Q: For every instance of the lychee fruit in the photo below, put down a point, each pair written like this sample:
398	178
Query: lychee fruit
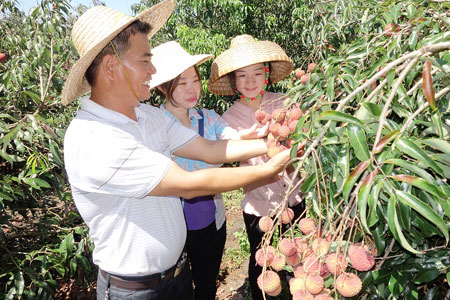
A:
314	283
293	260
360	258
273	128
311	66
266	119
265	256
287	216
278	262
307	225
278	115
336	264
259	115
302	295
269	281
287	247
323	297
299	73
295	113
299	272
348	284
300	244
283	131
321	246
311	264
276	292
265	223
304	78
292	125
297	284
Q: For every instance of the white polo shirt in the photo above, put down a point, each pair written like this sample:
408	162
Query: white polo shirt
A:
112	163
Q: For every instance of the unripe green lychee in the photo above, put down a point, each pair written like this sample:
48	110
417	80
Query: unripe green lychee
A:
348	284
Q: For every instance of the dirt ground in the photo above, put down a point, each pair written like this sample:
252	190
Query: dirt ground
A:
233	283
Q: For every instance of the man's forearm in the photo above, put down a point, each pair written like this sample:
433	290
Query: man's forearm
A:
237	150
225	179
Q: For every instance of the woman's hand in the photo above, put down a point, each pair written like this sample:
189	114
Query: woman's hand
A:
254	132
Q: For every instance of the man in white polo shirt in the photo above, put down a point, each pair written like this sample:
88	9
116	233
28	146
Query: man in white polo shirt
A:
117	154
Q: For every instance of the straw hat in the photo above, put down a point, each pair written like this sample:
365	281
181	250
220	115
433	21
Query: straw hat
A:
170	60
95	29
245	51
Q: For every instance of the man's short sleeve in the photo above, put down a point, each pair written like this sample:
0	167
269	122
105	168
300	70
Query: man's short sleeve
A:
111	161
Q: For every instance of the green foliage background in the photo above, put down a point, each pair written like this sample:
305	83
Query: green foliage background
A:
43	239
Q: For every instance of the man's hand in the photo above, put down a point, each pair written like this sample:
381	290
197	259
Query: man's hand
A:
279	161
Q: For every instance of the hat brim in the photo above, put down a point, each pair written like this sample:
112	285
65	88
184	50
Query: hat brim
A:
172	73
245	55
76	84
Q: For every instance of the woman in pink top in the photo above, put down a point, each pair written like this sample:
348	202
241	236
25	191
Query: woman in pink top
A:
246	69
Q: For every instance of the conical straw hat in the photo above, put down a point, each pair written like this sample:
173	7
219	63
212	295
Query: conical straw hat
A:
170	60
245	51
95	29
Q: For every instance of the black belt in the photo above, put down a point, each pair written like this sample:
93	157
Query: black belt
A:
146	282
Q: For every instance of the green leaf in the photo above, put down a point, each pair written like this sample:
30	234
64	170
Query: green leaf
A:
424	210
385	140
439	144
358	142
330	89
363	197
338	116
421	184
351	179
395	228
410	167
410	148
19	283
31	182
426	276
372	108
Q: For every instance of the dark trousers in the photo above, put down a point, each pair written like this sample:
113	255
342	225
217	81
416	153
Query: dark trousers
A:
205	248
255	236
177	288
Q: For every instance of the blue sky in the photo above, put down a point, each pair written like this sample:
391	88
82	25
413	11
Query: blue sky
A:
120	5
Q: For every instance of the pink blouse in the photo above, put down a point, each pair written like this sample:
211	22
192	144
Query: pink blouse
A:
266	195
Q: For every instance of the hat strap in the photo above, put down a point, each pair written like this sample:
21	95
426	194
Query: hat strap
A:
266	82
124	70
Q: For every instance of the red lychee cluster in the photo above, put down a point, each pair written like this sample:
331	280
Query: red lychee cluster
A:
282	123
304	76
314	259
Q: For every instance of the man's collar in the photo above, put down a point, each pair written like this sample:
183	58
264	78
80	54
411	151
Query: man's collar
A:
106	113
